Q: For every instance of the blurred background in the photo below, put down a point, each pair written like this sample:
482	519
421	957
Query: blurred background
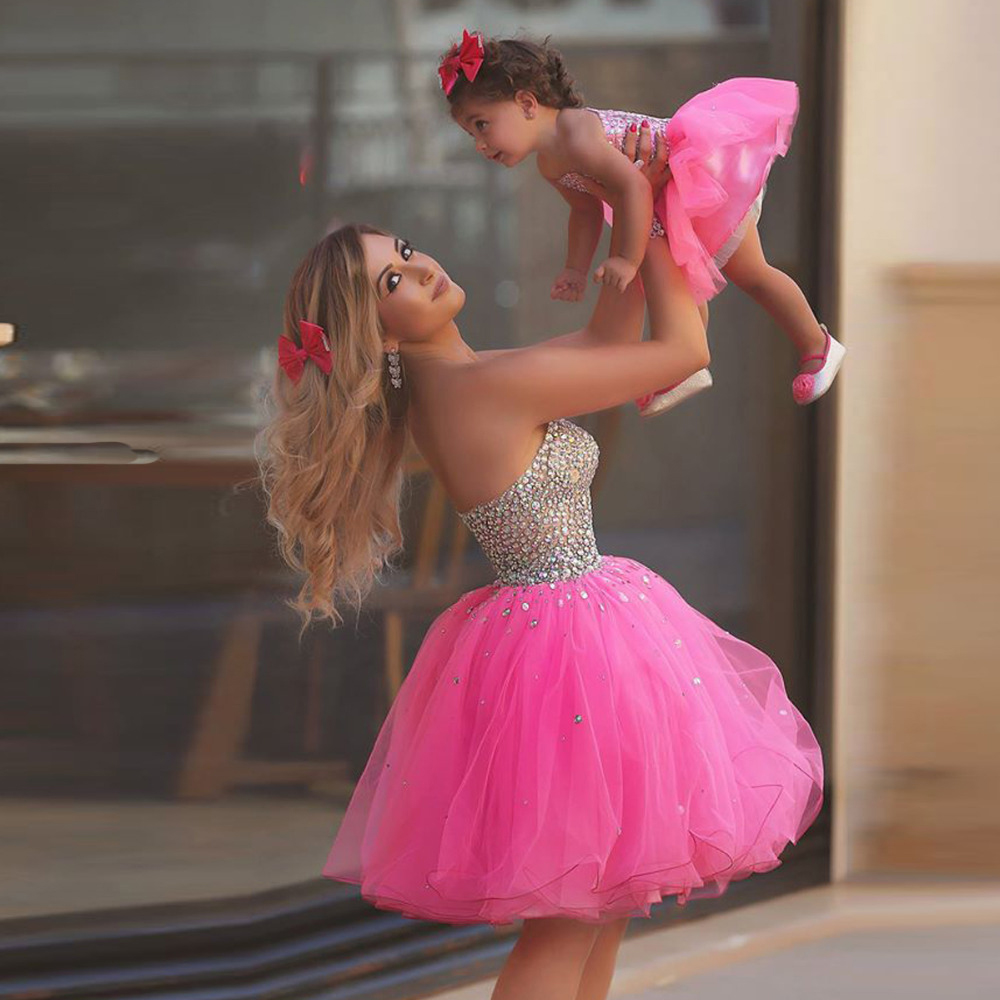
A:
173	761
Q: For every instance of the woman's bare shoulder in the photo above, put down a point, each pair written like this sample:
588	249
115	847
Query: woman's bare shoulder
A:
465	393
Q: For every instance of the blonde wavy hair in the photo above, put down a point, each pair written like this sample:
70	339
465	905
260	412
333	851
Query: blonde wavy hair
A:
330	453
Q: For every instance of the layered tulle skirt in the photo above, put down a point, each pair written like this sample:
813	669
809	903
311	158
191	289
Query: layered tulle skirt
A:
578	749
722	144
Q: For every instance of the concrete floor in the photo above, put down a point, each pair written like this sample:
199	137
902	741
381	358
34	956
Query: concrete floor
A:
61	856
922	939
960	963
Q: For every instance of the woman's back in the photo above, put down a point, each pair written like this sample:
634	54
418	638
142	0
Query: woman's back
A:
474	448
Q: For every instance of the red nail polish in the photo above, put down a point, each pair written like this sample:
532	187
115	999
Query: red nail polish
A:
645	124
631	127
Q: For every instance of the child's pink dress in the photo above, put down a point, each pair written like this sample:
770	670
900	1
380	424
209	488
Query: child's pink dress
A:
721	145
574	740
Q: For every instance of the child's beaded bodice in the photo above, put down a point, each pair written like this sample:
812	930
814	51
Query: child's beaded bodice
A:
616	125
541	529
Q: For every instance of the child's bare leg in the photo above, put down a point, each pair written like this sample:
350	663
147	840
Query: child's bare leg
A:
777	293
547	961
600	967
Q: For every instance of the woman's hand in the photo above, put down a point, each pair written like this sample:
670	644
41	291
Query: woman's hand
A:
570	285
638	146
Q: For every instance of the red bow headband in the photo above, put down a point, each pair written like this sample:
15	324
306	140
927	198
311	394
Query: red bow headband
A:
467	58
315	346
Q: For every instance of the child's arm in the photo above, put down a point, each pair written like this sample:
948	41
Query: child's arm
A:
582	143
619	319
586	220
540	383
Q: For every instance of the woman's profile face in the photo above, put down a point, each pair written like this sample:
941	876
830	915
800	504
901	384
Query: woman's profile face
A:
416	298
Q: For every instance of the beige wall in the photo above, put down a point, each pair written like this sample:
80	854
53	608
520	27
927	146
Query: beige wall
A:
916	759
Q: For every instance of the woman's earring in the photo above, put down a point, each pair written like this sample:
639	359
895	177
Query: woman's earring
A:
395	371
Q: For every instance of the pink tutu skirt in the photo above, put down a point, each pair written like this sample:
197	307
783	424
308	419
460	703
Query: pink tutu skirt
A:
579	749
722	145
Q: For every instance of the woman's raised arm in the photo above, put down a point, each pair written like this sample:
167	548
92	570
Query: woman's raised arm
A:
545	382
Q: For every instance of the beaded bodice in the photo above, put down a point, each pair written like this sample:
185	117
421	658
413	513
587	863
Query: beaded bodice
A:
616	124
540	529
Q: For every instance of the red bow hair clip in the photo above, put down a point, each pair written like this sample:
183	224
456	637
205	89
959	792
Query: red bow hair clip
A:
315	347
467	59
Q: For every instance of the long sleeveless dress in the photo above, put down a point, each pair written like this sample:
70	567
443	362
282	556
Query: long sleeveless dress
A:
721	146
574	739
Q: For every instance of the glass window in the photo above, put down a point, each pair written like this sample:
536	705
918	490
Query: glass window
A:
164	735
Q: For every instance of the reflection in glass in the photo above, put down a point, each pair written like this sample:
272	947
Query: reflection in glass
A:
165	734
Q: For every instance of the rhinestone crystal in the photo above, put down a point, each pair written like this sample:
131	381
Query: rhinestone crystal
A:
616	125
540	529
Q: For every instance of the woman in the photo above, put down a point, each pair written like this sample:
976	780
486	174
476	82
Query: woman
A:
573	742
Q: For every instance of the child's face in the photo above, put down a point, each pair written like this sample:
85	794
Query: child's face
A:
501	130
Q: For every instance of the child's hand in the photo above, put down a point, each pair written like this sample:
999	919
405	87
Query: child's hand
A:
570	285
616	271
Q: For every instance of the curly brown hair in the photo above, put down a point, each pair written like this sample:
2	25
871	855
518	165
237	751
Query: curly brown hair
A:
330	453
513	64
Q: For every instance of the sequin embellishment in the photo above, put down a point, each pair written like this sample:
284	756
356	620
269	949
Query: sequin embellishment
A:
616	124
540	529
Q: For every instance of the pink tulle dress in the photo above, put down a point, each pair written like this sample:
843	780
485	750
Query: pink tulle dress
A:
721	145
574	739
